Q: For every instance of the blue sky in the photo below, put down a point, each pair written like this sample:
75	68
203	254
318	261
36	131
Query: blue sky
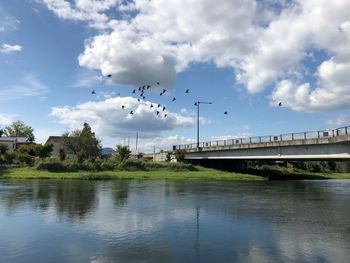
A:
53	53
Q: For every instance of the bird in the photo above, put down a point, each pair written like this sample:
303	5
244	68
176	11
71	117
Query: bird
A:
161	94
143	97
157	112
280	104
138	100
148	86
131	112
93	92
164	108
158	83
151	105
123	107
158	105
165	115
187	91
195	104
174	99
109	75
143	87
225	112
164	90
134	91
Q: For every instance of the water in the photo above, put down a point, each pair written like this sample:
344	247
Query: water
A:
174	221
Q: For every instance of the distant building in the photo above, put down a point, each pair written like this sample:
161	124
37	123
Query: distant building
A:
57	143
14	142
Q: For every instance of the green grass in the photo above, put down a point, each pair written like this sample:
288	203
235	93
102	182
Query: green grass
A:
202	173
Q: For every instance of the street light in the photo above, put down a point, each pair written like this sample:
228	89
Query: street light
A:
197	104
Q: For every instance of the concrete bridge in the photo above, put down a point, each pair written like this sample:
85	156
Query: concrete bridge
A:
331	144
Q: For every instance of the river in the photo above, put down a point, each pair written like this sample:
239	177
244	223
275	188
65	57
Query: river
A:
174	221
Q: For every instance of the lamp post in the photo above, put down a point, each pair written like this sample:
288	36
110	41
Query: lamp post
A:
197	104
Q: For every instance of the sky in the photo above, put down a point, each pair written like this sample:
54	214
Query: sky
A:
244	56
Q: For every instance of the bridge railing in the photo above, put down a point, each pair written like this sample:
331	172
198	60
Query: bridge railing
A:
269	138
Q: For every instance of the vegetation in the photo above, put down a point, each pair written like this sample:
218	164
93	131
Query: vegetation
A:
200	174
122	153
18	128
82	143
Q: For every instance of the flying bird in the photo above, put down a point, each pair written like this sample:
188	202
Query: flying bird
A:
109	75
280	104
174	99
138	100
158	83
164	108
158	105
134	91
148	86
225	112
161	94
157	112
151	105
195	104
93	92
143	97
165	115
131	112
164	90
123	107
187	91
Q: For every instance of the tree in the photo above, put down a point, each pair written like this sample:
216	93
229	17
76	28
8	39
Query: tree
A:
180	155
82	142
62	154
18	128
3	148
39	150
122	152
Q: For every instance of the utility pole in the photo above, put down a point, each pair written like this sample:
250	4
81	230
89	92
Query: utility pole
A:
197	104
137	138
128	142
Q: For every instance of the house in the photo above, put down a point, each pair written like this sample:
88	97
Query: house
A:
14	142
57	143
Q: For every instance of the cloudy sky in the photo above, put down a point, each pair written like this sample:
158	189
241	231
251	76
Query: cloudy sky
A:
245	56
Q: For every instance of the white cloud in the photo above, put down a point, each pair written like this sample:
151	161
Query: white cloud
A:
87	79
264	42
6	119
339	120
8	22
332	91
5	48
30	86
90	11
108	118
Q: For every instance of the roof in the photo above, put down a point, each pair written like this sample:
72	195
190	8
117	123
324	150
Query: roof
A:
14	139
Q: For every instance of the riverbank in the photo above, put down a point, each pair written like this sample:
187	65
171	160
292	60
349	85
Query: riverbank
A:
200	174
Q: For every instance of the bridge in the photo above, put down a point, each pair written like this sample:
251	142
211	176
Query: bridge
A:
331	144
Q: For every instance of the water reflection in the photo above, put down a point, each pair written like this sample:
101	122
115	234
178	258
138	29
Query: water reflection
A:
167	221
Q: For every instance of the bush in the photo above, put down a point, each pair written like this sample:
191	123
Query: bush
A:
3	148
25	158
132	165
180	155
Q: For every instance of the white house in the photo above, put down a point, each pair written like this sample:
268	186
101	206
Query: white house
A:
14	142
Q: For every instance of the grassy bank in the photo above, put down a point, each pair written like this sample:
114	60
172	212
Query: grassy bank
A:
201	173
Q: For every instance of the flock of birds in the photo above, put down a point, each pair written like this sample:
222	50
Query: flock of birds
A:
160	110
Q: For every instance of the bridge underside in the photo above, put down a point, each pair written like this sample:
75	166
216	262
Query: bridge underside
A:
304	151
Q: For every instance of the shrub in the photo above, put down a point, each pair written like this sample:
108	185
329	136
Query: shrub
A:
3	148
62	154
25	158
132	165
180	155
